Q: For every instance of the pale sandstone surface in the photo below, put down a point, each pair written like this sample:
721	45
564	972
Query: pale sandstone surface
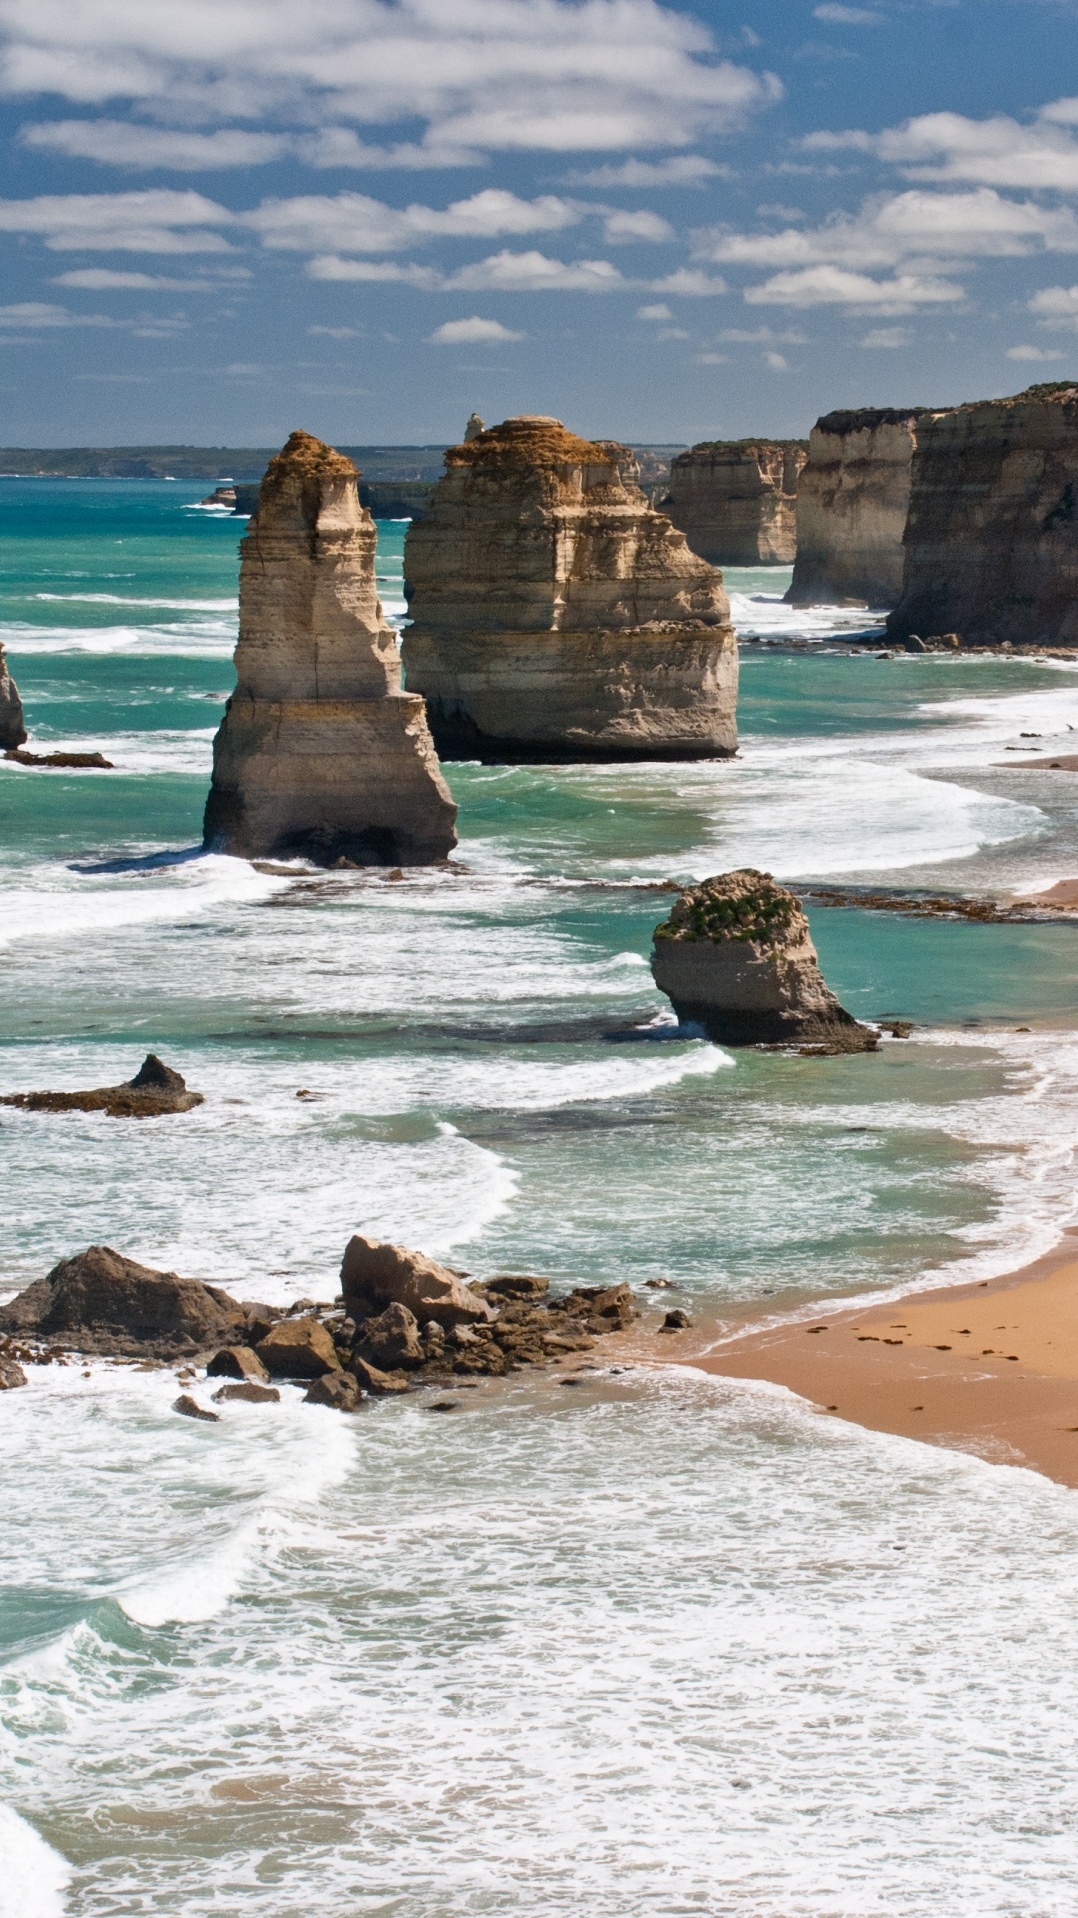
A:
736	500
736	957
992	537
853	496
12	729
558	616
320	753
376	1274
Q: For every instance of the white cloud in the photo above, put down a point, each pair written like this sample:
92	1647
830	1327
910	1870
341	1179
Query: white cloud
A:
38	314
894	227
837	286
330	266
471	332
636	226
1056	306
336	332
1037	353
999	152
848	16
762	335
115	143
354	223
100	279
660	311
682	169
777	362
154	222
688	283
887	338
713	359
534	273
562	75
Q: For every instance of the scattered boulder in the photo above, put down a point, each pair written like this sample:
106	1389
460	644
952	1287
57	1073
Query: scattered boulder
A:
11	1375
676	1321
391	1341
237	1362
154	1090
736	958
517	1285
100	1301
298	1349
250	1392
338	1390
12	729
376	1381
375	1273
190	1408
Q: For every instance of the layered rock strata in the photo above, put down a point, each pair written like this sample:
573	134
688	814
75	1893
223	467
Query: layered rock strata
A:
320	753
12	729
853	496
992	537
558	616
736	957
736	500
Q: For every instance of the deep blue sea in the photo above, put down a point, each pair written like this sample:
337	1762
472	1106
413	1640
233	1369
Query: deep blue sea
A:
678	1646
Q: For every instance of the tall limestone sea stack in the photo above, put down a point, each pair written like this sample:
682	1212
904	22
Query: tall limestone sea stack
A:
736	500
992	539
320	753
558	616
12	730
852	499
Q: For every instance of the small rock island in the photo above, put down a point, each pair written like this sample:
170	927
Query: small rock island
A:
736	957
558	616
320	754
12	729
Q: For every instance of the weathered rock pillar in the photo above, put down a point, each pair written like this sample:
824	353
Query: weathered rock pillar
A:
852	499
320	753
992	537
558	616
12	730
736	957
736	500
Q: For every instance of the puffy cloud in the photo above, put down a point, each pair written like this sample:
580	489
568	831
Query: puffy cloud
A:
562	75
1037	353
681	169
636	226
534	273
102	279
116	143
891	228
887	338
999	152
847	16
689	283
660	311
471	332
330	266
1056	306
38	314
354	223
777	362
837	286
155	222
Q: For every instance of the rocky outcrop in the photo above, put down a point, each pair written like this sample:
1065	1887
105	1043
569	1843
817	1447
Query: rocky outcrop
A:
57	762
736	500
155	1090
557	615
736	957
852	499
320	753
12	730
237	1362
375	1274
100	1301
298	1349
391	1342
992	536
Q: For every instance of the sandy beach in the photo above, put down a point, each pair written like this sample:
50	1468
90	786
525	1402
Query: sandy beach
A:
990	1368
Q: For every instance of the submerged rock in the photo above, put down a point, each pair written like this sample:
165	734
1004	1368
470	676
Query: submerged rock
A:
77	762
339	1390
853	496
190	1408
320	753
155	1089
11	1375
557	615
12	730
249	1391
736	957
375	1274
100	1301
991	546
736	500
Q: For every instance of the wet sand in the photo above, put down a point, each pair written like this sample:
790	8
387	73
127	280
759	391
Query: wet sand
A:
990	1368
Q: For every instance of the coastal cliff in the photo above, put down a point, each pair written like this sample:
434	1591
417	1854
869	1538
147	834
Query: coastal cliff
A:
12	729
736	500
992	538
320	753
852	499
558	616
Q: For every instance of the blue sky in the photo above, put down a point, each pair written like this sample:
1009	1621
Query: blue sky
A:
225	218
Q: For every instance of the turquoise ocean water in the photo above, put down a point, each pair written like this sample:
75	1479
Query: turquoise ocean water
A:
678	1646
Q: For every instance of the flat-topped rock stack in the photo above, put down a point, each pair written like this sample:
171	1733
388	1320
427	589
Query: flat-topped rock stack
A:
736	957
992	537
320	753
557	615
12	729
736	500
853	496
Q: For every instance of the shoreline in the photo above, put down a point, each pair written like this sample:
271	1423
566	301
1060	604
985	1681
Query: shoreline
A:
988	1367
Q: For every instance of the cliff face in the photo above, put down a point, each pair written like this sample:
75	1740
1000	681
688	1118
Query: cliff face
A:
12	730
852	499
320	752
736	500
557	615
992	537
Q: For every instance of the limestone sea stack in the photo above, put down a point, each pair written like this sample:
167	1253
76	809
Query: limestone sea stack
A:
320	753
557	615
992	538
12	730
852	499
736	500
736	957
